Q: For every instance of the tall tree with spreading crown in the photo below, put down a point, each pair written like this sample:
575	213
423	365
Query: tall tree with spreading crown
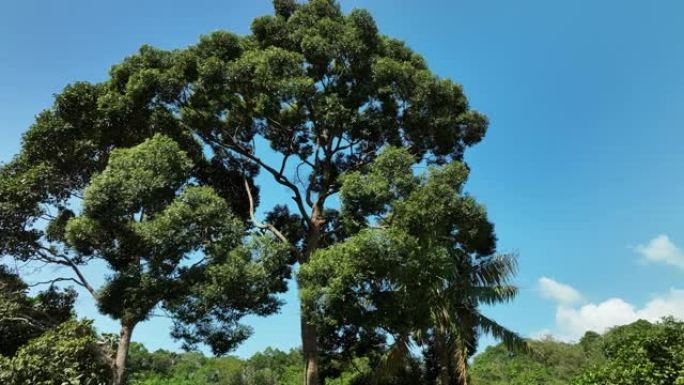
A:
312	93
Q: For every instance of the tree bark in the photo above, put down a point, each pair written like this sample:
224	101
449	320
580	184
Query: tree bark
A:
309	334
461	364
310	351
119	369
443	357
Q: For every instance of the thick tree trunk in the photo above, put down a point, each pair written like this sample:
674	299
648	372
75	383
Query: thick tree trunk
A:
461	364
443	358
310	351
309	334
119	369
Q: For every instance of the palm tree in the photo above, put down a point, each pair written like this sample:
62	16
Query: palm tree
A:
456	322
456	319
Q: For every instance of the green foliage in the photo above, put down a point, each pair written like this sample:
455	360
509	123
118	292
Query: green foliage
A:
640	353
318	85
146	219
270	367
635	354
621	356
136	217
22	317
243	281
68	354
146	176
20	192
549	362
419	264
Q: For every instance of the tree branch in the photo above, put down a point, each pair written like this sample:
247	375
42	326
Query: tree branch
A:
66	261
258	224
279	177
283	164
53	281
80	276
24	320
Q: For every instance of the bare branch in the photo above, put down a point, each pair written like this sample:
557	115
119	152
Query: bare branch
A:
61	259
53	281
22	319
81	277
267	226
283	164
157	315
279	177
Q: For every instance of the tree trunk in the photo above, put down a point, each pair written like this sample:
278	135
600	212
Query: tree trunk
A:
119	368
309	334
443	358
461	364
310	351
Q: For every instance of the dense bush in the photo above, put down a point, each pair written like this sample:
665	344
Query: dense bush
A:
550	362
66	355
23	317
640	353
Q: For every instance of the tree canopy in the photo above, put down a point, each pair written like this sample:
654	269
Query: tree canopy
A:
145	218
418	263
310	95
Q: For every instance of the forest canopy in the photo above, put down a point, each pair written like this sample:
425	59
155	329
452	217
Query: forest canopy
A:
153	173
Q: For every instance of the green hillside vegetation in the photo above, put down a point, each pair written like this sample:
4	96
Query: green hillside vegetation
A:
639	353
552	362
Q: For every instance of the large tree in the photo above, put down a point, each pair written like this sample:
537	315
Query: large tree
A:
310	94
169	242
419	262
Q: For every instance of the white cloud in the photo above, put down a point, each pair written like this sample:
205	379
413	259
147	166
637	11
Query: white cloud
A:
575	316
561	293
542	334
672	304
661	249
573	321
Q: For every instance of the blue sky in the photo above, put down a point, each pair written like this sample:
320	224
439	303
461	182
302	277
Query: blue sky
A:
581	169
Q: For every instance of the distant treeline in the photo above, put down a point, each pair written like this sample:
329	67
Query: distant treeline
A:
639	353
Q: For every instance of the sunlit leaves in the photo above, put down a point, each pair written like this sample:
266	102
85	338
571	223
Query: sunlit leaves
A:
172	243
68	355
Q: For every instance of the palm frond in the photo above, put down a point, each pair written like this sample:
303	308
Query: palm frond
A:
511	339
491	295
495	270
